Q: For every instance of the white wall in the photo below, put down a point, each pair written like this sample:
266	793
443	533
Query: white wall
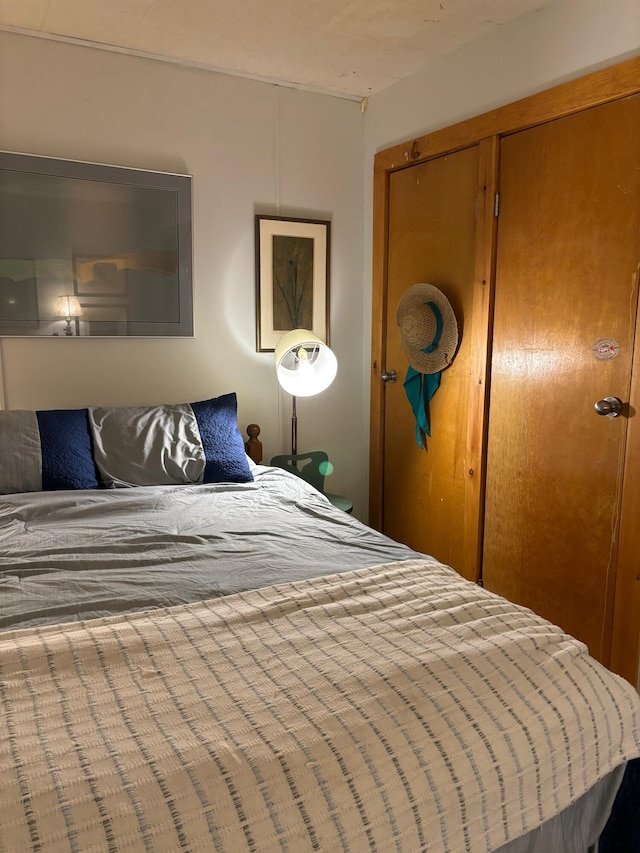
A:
251	148
562	41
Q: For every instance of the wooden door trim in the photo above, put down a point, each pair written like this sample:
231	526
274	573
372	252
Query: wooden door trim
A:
625	637
480	360
599	87
381	184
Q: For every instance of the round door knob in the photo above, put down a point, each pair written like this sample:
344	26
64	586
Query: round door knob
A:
389	376
609	406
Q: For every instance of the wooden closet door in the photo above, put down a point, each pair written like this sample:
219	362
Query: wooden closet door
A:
431	239
566	279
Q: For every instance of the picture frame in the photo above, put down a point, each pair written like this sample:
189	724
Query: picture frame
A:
100	276
100	318
292	278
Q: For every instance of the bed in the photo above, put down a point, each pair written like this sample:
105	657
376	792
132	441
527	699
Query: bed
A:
199	653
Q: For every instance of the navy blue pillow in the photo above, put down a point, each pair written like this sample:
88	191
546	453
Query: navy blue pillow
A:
67	458
225	457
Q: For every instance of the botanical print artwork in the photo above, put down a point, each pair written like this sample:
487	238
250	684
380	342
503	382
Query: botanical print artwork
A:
292	282
292	278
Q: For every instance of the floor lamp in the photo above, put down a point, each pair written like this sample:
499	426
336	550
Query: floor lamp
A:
305	366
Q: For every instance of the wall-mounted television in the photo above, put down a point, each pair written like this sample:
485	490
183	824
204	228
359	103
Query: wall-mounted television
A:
110	247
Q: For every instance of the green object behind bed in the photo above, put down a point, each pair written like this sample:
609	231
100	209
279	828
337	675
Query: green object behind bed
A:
312	467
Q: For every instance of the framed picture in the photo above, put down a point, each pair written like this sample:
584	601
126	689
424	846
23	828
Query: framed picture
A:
100	277
102	318
292	278
18	291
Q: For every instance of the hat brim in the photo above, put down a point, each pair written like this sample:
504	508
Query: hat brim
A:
415	312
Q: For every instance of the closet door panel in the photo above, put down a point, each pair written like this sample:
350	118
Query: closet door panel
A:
432	231
565	313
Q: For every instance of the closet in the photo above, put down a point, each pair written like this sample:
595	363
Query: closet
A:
528	219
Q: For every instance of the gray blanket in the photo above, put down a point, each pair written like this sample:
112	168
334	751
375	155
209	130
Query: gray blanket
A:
66	556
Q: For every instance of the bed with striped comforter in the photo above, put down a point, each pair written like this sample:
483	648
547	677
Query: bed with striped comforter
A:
272	683
398	708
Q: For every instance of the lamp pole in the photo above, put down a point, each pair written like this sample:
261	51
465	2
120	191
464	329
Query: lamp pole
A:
294	428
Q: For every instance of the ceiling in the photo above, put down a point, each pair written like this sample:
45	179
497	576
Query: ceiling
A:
352	48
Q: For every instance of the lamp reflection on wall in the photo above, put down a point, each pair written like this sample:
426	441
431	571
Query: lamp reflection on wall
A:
69	308
305	366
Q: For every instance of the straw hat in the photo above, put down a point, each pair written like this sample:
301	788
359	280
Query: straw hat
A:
428	328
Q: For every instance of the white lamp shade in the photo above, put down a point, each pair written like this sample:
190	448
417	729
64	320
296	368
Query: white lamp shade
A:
68	306
304	364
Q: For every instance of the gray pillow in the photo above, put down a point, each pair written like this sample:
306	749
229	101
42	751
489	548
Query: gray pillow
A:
169	444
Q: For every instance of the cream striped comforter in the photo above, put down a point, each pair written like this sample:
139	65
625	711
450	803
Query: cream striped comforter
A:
398	708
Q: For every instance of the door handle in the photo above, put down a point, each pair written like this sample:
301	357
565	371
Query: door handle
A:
609	406
389	376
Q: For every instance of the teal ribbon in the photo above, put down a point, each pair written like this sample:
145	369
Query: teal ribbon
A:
420	387
435	343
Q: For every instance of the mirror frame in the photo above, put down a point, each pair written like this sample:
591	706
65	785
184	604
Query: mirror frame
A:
181	184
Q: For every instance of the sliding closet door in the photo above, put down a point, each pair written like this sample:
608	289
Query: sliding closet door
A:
565	313
432	232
